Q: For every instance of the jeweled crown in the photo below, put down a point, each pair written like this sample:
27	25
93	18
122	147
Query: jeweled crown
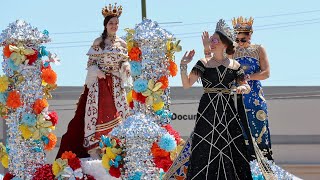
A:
241	24
223	28
112	10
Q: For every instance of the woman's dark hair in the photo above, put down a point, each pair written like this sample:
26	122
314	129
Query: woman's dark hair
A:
230	47
104	35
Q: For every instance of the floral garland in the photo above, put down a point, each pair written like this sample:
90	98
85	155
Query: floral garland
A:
112	159
4	156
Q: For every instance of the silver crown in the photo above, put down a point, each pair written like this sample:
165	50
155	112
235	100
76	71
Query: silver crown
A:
223	28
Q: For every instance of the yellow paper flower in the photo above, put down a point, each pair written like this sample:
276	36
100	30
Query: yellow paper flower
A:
153	93
158	106
4	83
19	53
129	39
105	161
174	153
58	165
42	128
129	97
25	131
5	161
110	154
172	48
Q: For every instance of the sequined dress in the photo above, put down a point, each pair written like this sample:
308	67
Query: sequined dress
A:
255	103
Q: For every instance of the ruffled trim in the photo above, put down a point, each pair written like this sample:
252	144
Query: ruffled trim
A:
97	51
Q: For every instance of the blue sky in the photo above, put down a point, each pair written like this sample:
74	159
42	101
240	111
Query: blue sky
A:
289	30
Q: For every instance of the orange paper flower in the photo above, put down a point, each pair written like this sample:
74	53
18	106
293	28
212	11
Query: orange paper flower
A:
13	100
68	155
135	54
52	142
6	51
165	82
173	68
158	152
39	105
49	76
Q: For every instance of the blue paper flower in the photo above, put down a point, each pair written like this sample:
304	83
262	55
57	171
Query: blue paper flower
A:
43	51
116	164
140	85
118	158
37	149
16	178
45	139
106	140
29	119
137	176
167	142
3	98
11	65
45	32
135	68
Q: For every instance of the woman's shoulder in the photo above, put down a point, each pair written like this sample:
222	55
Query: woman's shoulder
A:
97	41
234	64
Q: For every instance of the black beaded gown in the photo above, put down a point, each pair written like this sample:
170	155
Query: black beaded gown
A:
218	149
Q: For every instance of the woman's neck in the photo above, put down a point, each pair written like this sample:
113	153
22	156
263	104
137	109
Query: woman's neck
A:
219	56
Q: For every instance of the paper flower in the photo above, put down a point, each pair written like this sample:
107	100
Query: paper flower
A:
6	51
19	53
25	131
33	57
39	105
4	83
42	128
165	82
153	93
135	54
5	161
3	98
158	106
68	155
11	65
29	119
52	142
69	173
173	68
58	165
49	76
53	117
140	85
135	68
44	172
13	100
167	142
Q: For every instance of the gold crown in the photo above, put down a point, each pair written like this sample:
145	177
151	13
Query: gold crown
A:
112	10
241	24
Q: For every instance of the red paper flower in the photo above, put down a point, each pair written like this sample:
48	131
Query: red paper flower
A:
74	163
135	54
138	97
115	172
44	173
6	51
53	117
163	162
88	177
173	132
32	58
8	176
131	104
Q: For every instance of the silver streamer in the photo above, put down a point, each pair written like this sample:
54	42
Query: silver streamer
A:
280	173
139	131
25	155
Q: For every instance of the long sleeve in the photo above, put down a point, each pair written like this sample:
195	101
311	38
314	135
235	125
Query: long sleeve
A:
94	54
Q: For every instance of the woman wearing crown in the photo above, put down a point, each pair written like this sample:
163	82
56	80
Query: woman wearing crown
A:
217	149
103	103
254	61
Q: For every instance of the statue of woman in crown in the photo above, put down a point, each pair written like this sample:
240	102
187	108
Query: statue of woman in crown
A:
254	61
103	103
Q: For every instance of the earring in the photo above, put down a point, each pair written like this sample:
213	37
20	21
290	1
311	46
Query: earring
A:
225	54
